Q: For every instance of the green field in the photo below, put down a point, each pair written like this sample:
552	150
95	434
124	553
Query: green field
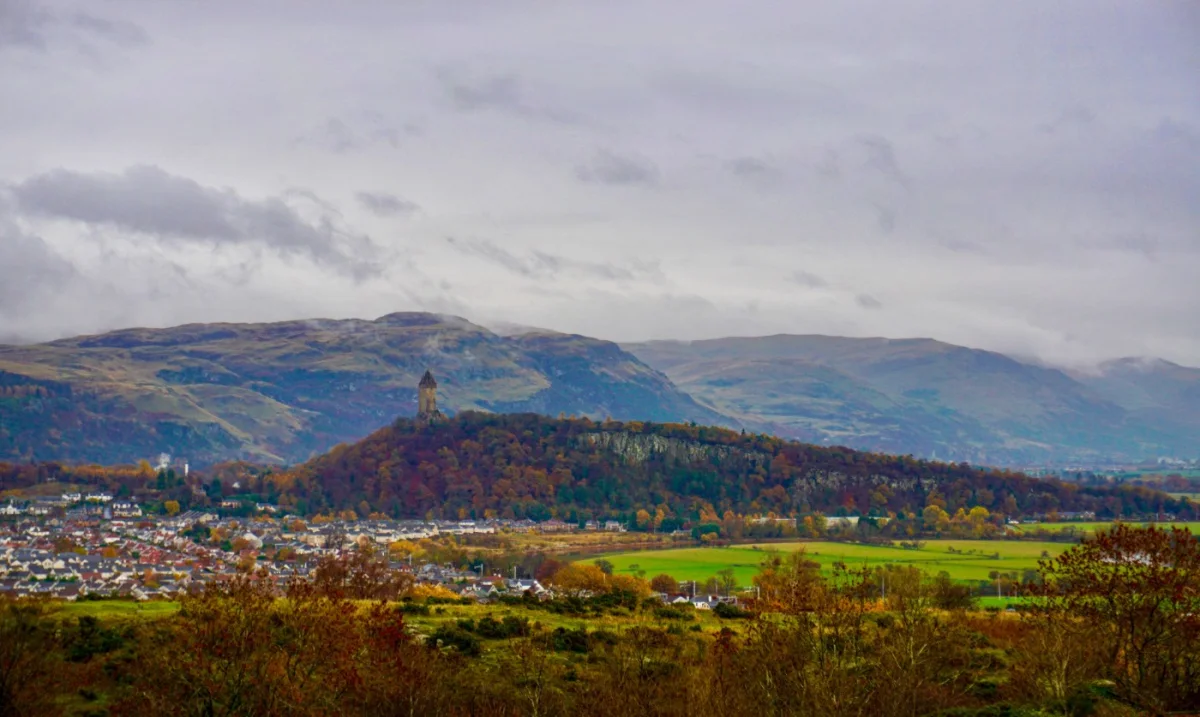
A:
116	608
934	557
1093	526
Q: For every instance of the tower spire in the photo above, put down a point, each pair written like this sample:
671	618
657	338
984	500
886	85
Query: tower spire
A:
427	409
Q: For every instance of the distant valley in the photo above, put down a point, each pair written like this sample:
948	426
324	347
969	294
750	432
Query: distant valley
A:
284	392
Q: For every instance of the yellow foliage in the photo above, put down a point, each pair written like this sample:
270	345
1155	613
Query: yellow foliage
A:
576	578
421	591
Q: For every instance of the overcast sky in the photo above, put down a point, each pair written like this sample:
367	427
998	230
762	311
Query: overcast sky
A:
1018	176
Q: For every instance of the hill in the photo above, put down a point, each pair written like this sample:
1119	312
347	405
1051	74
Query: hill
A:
930	398
284	392
530	466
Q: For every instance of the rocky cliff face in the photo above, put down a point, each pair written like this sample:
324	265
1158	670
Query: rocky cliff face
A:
641	447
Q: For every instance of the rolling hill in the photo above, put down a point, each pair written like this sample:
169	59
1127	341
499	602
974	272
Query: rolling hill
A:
930	398
283	392
532	466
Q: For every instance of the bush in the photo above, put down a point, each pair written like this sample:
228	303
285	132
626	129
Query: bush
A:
885	621
510	626
674	613
565	640
461	640
729	611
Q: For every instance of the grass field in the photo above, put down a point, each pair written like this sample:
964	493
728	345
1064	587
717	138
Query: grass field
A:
975	561
1091	527
116	608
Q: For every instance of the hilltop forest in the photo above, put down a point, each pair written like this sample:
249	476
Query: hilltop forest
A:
481	465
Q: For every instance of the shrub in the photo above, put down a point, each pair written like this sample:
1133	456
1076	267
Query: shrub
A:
674	613
566	640
457	638
729	611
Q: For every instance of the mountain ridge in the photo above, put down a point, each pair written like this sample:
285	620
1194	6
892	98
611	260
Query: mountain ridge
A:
285	391
925	396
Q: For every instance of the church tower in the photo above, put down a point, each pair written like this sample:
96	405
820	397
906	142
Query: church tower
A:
427	398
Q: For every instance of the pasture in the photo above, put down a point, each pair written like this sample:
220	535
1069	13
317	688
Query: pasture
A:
966	560
116	608
1093	526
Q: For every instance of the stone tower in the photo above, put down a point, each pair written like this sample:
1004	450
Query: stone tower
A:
427	398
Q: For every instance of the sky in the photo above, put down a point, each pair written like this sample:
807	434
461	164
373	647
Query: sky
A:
1019	176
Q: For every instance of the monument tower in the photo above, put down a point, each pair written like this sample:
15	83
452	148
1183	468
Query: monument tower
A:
427	409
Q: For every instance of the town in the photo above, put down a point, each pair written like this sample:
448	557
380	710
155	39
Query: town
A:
89	546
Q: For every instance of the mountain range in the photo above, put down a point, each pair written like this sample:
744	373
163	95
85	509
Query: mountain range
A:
935	399
285	392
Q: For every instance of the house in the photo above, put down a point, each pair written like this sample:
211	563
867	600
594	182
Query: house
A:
614	526
555	526
522	586
126	510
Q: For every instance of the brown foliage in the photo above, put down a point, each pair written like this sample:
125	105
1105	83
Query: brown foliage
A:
1132	595
361	574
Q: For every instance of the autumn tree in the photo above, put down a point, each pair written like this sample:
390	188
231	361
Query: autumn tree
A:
1135	592
576	579
361	574
664	583
28	671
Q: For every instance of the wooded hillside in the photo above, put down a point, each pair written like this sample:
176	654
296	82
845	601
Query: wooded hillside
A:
524	465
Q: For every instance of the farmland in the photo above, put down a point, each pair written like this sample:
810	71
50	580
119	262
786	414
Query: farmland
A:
966	560
1093	526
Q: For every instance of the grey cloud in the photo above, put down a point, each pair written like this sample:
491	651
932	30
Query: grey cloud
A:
867	301
119	32
829	167
808	279
488	250
1077	117
340	136
1146	246
881	156
962	246
492	92
755	171
487	108
383	204
23	24
29	268
27	24
471	92
885	217
609	168
1178	134
543	265
147	200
